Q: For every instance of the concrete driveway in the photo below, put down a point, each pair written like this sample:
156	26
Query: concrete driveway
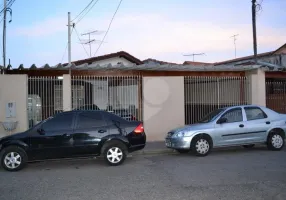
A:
224	174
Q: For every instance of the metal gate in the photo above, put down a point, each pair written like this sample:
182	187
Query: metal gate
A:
205	94
45	98
276	94
121	95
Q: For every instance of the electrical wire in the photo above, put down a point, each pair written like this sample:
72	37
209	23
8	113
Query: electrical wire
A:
8	5
108	27
80	41
83	10
65	49
87	12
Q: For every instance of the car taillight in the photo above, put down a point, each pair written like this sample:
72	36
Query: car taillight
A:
139	129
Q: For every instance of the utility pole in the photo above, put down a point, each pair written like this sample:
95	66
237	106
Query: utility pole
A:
254	29
234	39
195	54
4	36
69	37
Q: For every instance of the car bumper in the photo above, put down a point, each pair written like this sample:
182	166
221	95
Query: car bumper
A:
178	143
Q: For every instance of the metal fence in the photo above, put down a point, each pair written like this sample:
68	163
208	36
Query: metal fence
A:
205	94
276	95
121	95
45	98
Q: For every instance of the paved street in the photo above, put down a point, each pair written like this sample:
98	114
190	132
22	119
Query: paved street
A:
225	174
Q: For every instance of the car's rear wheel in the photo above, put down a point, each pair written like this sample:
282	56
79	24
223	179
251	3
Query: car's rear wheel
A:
249	146
13	158
114	153
183	151
275	141
201	145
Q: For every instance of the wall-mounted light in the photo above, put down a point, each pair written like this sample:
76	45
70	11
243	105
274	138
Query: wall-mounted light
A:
60	77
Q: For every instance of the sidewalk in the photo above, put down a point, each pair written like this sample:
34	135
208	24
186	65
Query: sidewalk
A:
154	148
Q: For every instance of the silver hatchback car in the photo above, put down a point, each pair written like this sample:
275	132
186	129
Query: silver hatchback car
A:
244	125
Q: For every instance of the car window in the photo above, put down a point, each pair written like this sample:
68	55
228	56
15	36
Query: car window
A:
111	117
253	113
59	122
211	116
233	115
90	120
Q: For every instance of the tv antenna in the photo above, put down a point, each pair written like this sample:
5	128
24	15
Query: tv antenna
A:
89	41
234	39
194	54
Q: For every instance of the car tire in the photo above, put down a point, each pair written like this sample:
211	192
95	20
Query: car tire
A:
13	158
249	146
114	153
183	151
275	140
201	145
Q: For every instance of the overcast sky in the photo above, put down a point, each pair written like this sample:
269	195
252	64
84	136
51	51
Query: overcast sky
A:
159	29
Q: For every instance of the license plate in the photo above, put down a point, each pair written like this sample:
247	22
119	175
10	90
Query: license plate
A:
168	143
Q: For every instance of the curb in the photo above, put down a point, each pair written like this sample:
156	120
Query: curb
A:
154	152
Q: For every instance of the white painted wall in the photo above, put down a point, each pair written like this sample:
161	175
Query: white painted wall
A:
163	106
14	88
258	90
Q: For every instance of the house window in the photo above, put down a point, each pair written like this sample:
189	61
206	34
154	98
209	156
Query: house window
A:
78	96
58	97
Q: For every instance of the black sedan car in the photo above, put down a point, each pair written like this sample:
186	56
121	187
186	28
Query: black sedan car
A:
74	134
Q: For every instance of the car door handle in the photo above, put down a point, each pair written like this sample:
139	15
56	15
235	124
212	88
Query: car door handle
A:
241	125
267	122
102	131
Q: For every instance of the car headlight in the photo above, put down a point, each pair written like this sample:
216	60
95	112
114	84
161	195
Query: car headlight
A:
180	134
184	134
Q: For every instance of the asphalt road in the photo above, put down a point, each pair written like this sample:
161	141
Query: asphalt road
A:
225	174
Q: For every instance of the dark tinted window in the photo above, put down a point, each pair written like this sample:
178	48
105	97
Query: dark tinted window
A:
253	113
234	115
59	122
110	117
90	120
211	116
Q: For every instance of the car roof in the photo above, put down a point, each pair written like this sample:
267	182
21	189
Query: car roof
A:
243	105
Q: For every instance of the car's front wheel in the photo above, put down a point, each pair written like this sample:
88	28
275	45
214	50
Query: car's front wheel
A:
114	153
201	145
275	141
13	158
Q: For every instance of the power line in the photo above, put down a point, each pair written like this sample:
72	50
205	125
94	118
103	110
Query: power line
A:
80	41
83	10
108	27
87	12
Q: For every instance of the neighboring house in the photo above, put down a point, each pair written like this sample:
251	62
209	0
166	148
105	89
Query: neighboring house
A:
197	63
277	57
159	62
120	57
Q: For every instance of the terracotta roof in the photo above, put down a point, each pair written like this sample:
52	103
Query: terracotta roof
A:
158	61
197	63
244	58
123	54
251	57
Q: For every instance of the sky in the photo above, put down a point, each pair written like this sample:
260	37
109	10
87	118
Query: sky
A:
162	29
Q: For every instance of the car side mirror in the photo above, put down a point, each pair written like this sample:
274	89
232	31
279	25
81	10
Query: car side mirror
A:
41	131
222	120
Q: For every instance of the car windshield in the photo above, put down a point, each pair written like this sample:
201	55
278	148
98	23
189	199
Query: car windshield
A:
211	116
